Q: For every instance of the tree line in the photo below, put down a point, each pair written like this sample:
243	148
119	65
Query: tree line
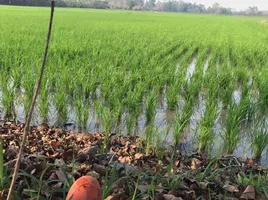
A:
149	5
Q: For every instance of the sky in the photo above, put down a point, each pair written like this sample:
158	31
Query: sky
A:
237	4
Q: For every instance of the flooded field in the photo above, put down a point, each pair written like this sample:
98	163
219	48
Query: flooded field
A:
199	85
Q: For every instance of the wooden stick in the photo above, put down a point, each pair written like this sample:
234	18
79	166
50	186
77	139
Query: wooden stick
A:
28	120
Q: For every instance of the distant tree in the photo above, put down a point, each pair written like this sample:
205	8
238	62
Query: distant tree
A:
253	10
226	11
133	3
159	6
167	5
216	7
150	5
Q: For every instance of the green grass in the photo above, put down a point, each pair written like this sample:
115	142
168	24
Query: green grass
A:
122	61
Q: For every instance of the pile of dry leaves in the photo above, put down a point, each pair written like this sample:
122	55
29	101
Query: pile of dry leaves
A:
53	158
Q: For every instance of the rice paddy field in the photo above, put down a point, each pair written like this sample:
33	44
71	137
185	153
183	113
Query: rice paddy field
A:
192	81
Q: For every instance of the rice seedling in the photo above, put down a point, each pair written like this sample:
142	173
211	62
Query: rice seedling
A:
172	95
179	125
150	107
28	84
206	126
8	97
232	135
259	137
82	112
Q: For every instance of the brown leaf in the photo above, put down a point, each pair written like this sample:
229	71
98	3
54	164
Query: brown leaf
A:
230	188
177	163
55	143
171	197
251	163
125	159
110	198
249	193
138	156
97	137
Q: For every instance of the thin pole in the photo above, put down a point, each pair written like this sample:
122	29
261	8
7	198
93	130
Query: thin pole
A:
28	120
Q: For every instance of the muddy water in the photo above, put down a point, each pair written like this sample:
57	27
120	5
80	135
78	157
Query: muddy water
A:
162	123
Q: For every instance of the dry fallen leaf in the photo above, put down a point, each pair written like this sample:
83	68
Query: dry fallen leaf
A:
55	143
109	198
249	193
230	188
171	197
125	159
250	162
138	156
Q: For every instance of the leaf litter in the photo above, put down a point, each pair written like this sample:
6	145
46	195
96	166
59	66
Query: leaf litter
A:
54	158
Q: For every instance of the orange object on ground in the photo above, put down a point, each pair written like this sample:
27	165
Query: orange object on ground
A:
85	188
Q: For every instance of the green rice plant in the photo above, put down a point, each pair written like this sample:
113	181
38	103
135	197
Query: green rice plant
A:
130	123
206	125
8	97
28	84
232	136
172	92
133	101
259	137
82	112
16	76
150	107
107	120
263	90
259	143
149	133
61	104
179	125
226	86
